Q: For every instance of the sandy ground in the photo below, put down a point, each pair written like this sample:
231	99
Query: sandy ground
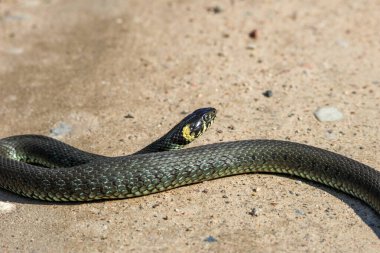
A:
88	64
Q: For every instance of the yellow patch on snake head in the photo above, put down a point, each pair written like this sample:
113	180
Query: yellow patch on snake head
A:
187	134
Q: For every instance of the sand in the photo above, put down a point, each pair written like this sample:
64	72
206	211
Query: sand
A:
86	65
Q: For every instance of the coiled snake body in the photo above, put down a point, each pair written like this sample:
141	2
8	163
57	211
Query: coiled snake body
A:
43	168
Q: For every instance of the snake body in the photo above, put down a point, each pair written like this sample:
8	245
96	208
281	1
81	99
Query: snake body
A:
69	174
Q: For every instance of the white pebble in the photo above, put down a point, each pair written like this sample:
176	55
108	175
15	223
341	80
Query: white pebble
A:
251	46
15	50
6	207
328	113
343	43
61	129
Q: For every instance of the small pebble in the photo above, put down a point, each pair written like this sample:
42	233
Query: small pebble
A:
253	34
15	50
255	191
6	207
342	43
10	17
268	93
291	114
61	129
254	212
156	204
328	113
32	3
129	116
251	46
210	239
215	9
299	212
330	135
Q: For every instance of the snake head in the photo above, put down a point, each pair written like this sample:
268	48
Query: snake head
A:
196	123
187	130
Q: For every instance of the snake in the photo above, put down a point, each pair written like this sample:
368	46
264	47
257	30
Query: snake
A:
44	168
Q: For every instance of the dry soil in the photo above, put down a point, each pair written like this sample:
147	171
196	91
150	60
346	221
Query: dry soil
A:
88	64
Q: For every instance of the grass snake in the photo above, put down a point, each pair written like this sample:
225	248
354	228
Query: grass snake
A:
44	168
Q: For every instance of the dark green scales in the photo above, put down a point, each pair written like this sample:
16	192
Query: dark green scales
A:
43	168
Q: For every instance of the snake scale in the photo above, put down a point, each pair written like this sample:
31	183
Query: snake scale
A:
43	168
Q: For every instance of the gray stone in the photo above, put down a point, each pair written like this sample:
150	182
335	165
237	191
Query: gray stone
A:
210	239
62	128
328	113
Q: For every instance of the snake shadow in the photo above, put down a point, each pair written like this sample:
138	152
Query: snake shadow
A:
7	196
367	214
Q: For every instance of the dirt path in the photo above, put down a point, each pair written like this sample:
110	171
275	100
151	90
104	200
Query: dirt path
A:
82	66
